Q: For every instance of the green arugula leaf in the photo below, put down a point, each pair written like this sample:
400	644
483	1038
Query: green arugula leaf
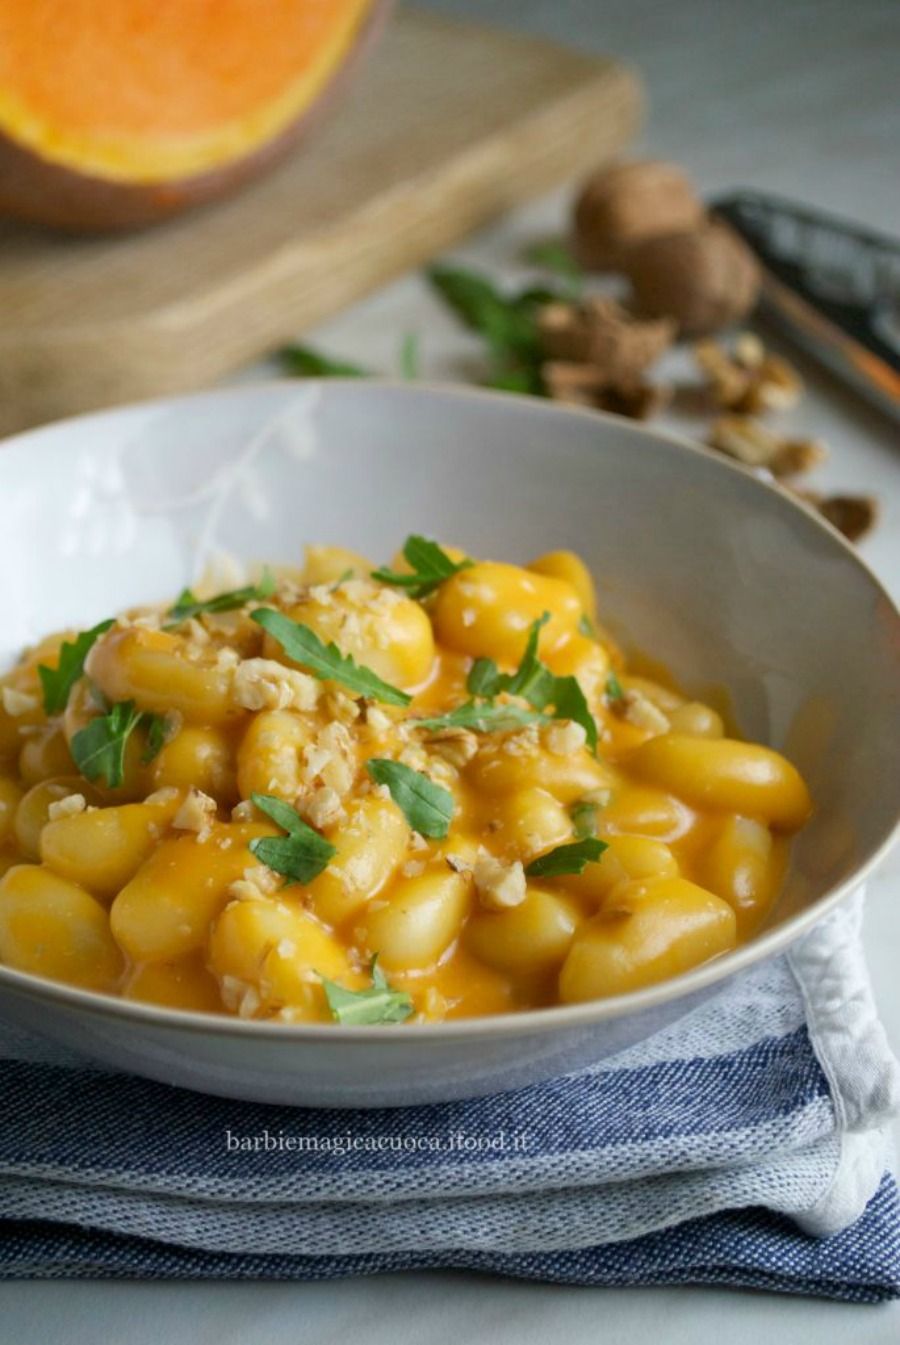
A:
187	605
535	683
427	807
157	736
507	324
482	718
524	378
99	748
409	356
584	819
530	680
569	703
430	567
378	1004
57	682
614	690
552	255
567	858
325	661
483	678
301	854
304	362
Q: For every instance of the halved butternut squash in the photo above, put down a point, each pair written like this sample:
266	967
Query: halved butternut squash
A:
115	115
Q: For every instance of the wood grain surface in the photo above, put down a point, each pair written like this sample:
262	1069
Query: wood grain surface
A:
450	125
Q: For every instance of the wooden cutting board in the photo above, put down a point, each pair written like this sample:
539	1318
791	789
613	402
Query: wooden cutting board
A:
449	125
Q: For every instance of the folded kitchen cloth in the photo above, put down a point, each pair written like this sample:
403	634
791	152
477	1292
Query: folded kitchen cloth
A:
746	1145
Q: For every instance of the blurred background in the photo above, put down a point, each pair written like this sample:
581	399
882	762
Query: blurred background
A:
799	96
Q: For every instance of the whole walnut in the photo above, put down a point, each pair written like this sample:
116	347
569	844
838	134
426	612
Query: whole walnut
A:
703	279
626	203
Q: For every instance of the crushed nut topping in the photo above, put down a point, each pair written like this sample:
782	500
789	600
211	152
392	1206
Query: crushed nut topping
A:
17	703
197	813
67	807
499	886
263	684
852	515
748	378
455	745
582	385
564	737
755	445
602	334
323	808
639	710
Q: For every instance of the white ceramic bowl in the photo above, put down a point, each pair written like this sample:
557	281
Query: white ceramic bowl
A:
724	578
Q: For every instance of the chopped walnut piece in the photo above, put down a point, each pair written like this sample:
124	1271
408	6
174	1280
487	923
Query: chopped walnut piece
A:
564	737
455	745
263	684
499	886
638	401
796	456
197	813
603	334
852	515
639	710
17	703
376	720
457	864
322	808
67	807
581	385
748	378
745	440
755	445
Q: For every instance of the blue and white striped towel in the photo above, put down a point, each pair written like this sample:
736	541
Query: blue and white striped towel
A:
746	1145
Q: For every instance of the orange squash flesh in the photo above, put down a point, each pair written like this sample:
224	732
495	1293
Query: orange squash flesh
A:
116	114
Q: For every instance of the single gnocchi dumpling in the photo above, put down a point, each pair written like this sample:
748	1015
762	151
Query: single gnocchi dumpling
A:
374	624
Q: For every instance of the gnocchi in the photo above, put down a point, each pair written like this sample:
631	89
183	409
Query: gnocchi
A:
339	793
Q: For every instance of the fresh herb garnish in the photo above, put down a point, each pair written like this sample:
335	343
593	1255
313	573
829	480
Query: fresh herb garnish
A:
586	627
569	702
535	683
188	605
326	661
482	718
430	566
301	854
531	680
508	324
427	807
516	378
157	733
304	362
57	682
565	859
409	356
614	690
552	255
378	1004
584	819
99	748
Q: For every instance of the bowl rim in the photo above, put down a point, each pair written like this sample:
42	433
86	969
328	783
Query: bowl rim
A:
529	1021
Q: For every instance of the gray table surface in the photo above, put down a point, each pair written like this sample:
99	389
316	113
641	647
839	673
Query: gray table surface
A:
799	97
